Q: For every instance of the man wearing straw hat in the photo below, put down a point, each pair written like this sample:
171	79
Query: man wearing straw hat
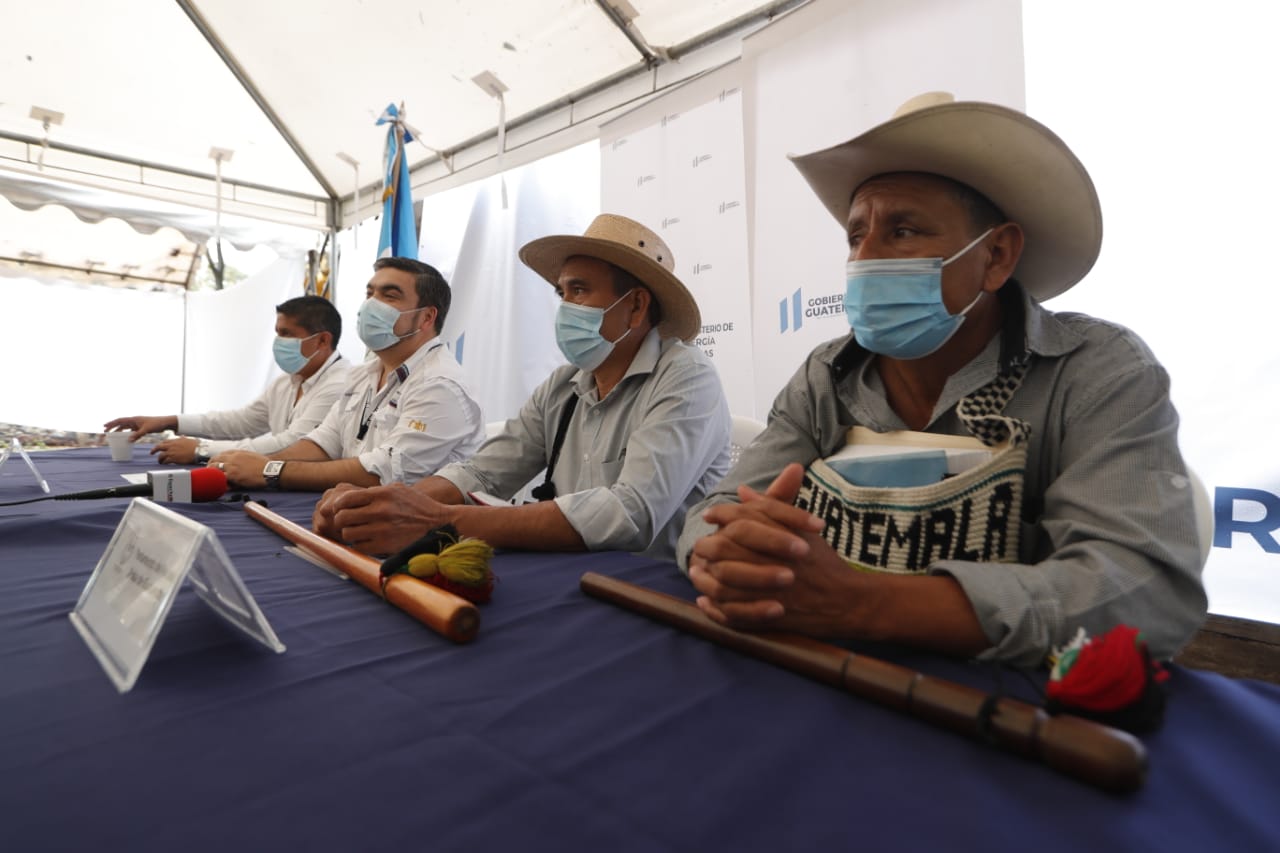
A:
632	432
961	217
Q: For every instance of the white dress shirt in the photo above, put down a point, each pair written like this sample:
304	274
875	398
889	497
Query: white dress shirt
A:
276	419
422	418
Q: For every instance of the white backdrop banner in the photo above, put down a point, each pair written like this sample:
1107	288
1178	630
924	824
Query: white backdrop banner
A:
357	249
676	165
1204	302
229	334
78	355
816	78
502	322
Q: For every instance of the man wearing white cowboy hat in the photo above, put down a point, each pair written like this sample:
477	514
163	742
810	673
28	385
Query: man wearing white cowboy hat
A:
960	217
632	432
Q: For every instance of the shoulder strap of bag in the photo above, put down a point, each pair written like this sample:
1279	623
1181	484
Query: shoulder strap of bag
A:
547	490
981	411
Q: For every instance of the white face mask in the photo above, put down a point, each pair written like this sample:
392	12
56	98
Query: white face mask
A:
578	334
894	305
288	353
376	323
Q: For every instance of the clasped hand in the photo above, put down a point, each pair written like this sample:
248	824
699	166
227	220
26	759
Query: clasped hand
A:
767	565
378	519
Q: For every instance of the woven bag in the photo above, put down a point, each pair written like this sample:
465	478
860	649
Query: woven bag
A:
973	516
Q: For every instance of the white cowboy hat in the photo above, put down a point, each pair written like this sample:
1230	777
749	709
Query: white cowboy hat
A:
1020	165
629	245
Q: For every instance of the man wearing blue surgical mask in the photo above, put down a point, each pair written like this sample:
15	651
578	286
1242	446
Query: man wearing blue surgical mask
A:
404	412
633	431
1075	510
307	333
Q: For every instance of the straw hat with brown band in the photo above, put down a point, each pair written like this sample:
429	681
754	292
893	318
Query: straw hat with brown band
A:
629	245
1020	165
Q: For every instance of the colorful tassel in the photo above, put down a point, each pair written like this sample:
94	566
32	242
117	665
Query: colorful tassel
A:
1111	679
443	558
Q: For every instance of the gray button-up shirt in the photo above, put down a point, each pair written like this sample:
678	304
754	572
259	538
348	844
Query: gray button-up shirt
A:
633	463
1108	532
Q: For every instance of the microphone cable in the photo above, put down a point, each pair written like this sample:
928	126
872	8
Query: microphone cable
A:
31	500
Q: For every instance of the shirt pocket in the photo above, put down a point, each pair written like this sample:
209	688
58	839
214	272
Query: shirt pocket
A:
385	420
351	402
608	473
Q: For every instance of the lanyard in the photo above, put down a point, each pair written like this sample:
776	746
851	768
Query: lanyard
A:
371	403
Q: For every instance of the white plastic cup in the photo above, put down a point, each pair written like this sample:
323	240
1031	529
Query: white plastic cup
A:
121	449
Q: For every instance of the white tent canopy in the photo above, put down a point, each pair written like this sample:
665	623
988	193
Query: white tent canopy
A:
135	95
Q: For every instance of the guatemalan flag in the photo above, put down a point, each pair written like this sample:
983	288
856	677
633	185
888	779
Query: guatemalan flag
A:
398	238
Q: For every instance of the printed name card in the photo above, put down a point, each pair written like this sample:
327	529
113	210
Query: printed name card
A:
124	604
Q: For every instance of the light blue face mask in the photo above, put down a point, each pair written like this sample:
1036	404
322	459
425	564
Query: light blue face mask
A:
894	305
376	324
288	353
578	334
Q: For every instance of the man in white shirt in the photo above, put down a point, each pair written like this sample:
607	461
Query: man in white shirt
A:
307	332
404	413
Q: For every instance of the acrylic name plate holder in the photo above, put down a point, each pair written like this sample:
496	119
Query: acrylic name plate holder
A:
128	596
15	447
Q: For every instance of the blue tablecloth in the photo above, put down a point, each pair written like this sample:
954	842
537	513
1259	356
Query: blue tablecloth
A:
567	725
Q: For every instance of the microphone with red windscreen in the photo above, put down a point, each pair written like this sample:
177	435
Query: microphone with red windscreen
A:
195	485
208	484
185	486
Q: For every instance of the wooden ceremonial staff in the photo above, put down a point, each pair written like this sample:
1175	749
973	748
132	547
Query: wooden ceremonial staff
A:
1093	753
441	610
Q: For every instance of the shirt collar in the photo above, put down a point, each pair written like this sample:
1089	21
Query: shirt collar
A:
315	377
407	366
642	363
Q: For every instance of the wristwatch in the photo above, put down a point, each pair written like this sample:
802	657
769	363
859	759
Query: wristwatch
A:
203	452
271	474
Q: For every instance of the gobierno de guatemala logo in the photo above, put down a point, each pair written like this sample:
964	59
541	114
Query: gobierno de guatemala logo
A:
825	306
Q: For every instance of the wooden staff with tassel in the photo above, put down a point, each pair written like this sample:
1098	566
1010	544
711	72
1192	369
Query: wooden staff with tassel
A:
442	611
1093	753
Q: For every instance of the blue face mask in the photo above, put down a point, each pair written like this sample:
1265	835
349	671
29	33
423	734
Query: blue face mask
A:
894	305
288	353
578	334
376	324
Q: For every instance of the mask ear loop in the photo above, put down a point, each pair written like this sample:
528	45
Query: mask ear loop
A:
634	310
966	308
302	341
615	304
416	330
974	242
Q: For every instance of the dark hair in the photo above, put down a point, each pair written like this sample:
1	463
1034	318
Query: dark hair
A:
313	313
982	213
624	282
433	290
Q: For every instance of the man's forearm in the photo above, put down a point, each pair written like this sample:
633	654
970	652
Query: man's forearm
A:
302	475
303	449
441	490
922	611
532	527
